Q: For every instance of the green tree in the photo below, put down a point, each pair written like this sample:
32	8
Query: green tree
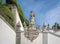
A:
21	14
8	15
0	1
58	26
11	1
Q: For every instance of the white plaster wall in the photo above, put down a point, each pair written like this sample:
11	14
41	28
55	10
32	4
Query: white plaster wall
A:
24	40
52	39
58	32
7	35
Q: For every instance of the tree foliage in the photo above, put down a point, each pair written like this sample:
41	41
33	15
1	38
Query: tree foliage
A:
11	1
58	26
7	14
0	1
21	14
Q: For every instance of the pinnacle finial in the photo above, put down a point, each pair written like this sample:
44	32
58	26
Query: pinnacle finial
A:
24	24
18	24
32	14
44	24
31	11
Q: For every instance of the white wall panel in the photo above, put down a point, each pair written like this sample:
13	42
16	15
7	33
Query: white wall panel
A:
7	34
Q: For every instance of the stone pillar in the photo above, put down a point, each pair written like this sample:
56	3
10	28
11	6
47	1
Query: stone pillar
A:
45	37
18	37
18	34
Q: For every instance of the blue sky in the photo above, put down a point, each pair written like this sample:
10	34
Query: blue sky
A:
45	10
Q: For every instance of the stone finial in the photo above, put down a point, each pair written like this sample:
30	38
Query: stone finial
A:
32	14
18	25
44	26
48	27
55	26
31	32
24	24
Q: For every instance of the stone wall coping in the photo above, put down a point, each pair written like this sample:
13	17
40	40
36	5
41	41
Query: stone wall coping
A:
7	23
